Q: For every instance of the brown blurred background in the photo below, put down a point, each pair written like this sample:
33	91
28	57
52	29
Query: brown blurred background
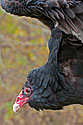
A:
23	47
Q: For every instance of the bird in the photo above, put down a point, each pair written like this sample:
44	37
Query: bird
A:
67	15
43	88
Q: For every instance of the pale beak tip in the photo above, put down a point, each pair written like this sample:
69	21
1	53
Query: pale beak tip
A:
15	107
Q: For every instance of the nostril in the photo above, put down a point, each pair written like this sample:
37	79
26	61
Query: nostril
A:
18	99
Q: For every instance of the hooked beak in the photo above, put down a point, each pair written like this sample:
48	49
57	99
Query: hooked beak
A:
20	101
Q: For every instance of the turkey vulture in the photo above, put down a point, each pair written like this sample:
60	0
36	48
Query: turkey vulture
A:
43	88
66	14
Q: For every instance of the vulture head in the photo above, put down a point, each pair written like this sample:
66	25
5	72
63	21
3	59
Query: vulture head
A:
39	91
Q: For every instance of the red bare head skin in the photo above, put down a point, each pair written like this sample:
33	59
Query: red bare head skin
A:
22	98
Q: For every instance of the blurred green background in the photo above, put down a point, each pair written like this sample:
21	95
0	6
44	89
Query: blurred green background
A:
23	47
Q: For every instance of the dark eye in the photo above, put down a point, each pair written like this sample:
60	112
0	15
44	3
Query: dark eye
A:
27	90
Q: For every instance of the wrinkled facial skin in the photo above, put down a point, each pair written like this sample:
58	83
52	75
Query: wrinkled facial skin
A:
23	97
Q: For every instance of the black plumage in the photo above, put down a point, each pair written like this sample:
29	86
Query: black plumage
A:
66	14
60	81
53	85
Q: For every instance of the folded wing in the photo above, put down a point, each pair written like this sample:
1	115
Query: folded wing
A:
66	14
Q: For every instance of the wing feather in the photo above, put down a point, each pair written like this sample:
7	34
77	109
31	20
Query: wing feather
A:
72	15
81	16
60	14
64	26
78	22
68	13
55	14
78	9
71	24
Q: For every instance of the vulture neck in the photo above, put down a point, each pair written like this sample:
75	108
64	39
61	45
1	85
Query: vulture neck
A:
53	45
64	96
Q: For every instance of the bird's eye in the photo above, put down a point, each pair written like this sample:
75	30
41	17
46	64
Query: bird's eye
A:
27	90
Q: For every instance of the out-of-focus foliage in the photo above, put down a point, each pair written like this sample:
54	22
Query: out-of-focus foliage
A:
23	46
